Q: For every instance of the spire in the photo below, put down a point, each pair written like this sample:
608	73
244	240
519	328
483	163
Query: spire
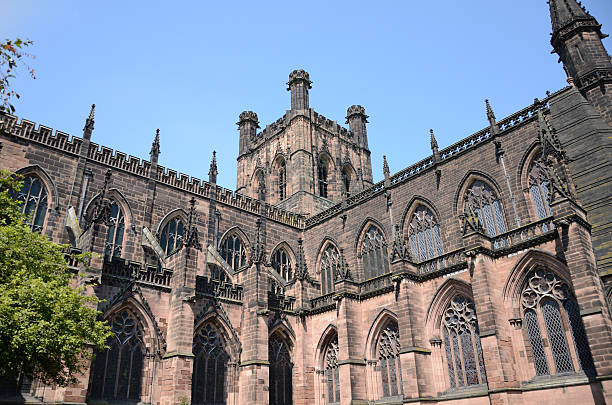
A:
566	12
385	166
89	123
491	118
212	172
155	146
432	139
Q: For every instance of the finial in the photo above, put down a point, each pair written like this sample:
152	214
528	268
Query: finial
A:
432	138
89	122
212	172
344	273
258	249
155	146
385	166
191	237
490	114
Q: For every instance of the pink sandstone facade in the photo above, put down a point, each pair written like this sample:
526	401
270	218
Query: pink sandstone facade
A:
478	275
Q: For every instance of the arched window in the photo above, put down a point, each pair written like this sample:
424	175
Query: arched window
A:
552	314
332	375
388	348
424	235
282	180
208	386
33	197
171	236
114	238
322	176
462	344
330	262
233	251
282	264
117	372
374	253
482	201
539	187
281	372
346	181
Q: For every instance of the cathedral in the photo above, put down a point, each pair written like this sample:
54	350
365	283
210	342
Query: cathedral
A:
480	274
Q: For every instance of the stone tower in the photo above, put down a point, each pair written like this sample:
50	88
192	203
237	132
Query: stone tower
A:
303	162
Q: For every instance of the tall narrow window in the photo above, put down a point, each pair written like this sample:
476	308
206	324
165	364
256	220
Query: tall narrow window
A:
117	372
208	386
374	253
332	375
322	174
552	315
424	235
346	181
282	264
483	202
539	187
233	251
282	180
330	261
462	344
388	357
281	372
171	236
114	238
33	197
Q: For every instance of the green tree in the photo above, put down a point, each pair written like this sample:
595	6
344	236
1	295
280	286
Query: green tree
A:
48	328
11	58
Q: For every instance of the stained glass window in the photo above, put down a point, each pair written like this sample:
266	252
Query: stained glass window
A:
462	344
171	236
117	372
209	368
114	237
374	253
322	175
33	197
282	264
281	372
539	186
332	375
424	235
330	261
484	203
233	251
388	357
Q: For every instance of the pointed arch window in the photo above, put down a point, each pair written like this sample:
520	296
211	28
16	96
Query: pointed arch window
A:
322	172
114	237
332	374
33	197
388	348
282	264
281	372
282	180
374	253
424	235
482	202
552	314
233	251
462	344
171	236
540	188
330	262
118	371
346	181
209	377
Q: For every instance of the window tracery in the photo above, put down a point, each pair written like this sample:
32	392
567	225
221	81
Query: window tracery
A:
540	188
322	172
282	180
424	235
114	236
233	251
374	253
209	368
483	207
171	236
462	344
117	372
33	197
330	264
346	182
281	372
282	264
388	357
332	375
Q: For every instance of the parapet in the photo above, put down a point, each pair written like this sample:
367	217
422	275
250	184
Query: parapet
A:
299	75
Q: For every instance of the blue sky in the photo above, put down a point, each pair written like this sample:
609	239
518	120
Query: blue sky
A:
190	68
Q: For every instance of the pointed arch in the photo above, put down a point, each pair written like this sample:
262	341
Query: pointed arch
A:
280	357
53	196
466	182
143	314
117	196
328	261
371	249
330	332
325	169
382	319
177	212
349	175
523	169
365	224
234	248
441	300
283	328
171	229
420	227
413	204
211	315
282	259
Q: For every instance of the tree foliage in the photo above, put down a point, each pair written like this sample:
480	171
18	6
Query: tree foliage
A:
11	58
48	328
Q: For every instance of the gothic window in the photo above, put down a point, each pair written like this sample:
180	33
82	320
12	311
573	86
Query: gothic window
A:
388	357
539	187
171	236
346	181
281	372
424	235
209	368
374	253
282	264
282	180
117	372
552	315
462	344
481	201
33	197
233	252
114	237
332	375
330	261
322	175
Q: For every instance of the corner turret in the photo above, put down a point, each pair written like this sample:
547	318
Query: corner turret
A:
247	125
299	83
357	120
